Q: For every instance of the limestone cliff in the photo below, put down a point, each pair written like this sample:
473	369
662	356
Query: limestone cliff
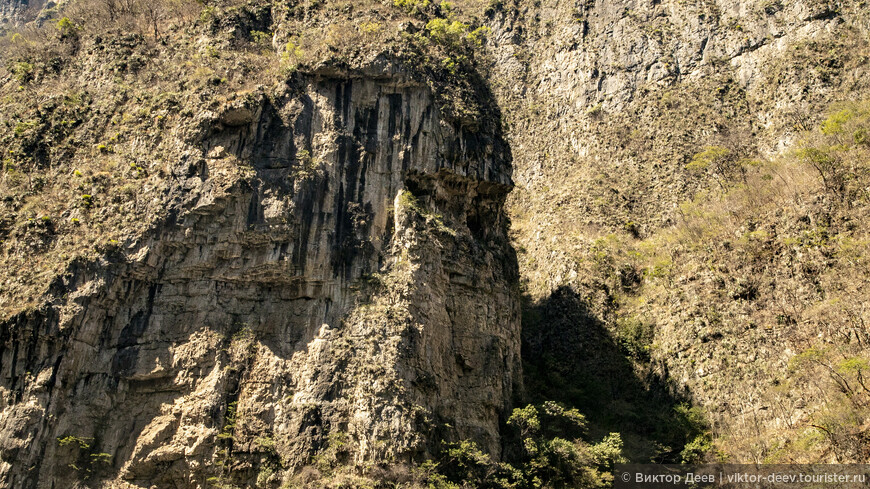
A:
334	269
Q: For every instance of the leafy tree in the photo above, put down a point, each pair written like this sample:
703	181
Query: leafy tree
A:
552	455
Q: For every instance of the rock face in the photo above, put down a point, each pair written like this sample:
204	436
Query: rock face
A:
14	11
608	102
9	9
615	96
335	276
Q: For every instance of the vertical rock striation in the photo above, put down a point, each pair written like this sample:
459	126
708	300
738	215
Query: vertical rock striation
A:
335	272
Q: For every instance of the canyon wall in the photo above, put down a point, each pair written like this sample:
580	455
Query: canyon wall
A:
651	140
334	271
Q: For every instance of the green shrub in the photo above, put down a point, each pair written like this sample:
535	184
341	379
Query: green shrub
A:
550	455
68	30
22	127
207	15
334	453
81	442
371	28
710	158
411	6
635	337
478	36
469	463
554	453
22	71
261	38
834	123
407	200
853	365
446	32
862	137
608	452
291	56
101	458
307	166
696	450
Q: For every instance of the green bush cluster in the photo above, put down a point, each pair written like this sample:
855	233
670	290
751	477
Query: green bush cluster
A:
720	162
635	337
711	156
550	454
261	38
452	33
22	71
412	6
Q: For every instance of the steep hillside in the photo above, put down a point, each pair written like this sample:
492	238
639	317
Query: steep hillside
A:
457	244
676	192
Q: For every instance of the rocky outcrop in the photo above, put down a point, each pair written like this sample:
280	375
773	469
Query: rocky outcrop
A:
334	278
